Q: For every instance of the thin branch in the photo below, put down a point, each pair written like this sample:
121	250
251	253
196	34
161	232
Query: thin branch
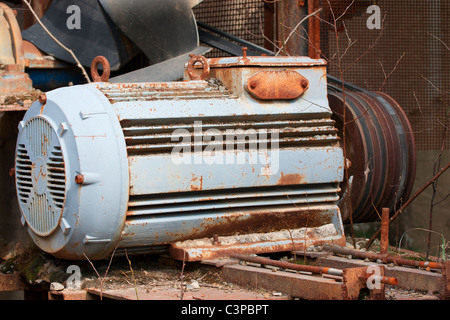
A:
370	47
348	201
443	94
98	275
443	199
390	73
421	229
439	40
295	28
57	41
182	276
411	199
132	274
106	272
345	11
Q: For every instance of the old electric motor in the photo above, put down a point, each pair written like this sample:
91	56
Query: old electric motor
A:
242	155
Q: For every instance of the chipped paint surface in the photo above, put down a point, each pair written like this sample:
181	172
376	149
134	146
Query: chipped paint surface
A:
151	164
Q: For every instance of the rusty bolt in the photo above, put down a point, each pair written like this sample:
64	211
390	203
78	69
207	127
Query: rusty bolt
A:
43	98
79	179
253	84
304	83
348	163
13	67
244	52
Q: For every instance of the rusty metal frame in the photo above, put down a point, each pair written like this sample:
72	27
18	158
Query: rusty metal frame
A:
408	277
11	282
304	286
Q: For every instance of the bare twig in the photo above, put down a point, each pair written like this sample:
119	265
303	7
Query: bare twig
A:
345	11
132	274
403	207
295	28
348	201
57	41
437	164
390	73
448	48
421	229
182	276
98	275
369	48
101	279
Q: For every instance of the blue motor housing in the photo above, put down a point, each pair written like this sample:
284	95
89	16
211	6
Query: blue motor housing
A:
245	158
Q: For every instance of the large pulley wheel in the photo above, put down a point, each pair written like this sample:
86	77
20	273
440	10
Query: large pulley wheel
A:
379	143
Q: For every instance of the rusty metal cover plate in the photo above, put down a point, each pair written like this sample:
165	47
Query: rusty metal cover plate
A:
277	85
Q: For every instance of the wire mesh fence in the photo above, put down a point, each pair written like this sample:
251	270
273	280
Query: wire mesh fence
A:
407	56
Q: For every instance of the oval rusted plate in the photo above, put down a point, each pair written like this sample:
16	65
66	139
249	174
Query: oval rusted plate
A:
277	85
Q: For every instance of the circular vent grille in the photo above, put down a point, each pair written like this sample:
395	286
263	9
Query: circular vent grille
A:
40	176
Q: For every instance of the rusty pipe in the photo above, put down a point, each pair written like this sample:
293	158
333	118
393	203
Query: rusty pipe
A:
403	207
384	239
288	265
382	279
313	269
386	258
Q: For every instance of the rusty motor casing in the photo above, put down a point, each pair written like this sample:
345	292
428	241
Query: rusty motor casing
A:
245	158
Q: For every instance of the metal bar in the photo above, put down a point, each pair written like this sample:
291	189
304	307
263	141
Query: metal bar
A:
382	279
397	213
11	282
206	35
408	278
293	284
384	243
386	258
445	289
313	31
287	265
308	268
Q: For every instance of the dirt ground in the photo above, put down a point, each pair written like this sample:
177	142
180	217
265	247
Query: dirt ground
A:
155	277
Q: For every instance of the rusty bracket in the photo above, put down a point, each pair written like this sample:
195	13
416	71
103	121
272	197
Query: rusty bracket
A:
277	85
355	279
106	69
445	292
191	67
308	286
11	282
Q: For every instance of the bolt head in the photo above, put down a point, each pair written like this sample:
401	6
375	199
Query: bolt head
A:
79	179
43	98
304	83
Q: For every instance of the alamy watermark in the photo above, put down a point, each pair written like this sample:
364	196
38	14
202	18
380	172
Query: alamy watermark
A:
374	20
231	146
374	280
73	282
74	20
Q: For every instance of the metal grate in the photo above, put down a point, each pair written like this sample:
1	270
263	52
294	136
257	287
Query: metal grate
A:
40	176
241	18
408	58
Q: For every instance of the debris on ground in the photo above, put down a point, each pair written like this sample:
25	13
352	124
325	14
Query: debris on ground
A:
158	276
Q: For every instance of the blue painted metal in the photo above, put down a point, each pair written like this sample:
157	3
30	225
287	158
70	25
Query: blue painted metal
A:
155	165
49	79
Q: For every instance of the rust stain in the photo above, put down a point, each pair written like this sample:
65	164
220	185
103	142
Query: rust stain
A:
269	85
257	222
196	183
291	178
